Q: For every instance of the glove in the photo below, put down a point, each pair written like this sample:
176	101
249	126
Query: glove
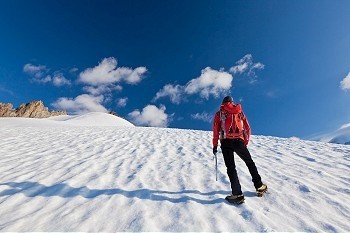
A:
215	150
246	138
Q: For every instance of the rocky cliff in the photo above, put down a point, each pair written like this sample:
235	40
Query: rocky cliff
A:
34	109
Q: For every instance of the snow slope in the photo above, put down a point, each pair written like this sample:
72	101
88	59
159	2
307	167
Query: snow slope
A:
63	178
340	136
88	119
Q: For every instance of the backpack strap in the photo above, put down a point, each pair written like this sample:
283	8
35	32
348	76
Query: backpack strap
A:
222	128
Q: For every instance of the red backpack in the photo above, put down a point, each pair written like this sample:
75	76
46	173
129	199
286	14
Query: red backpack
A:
231	125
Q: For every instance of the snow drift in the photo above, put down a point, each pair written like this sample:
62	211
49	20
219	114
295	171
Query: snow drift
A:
54	177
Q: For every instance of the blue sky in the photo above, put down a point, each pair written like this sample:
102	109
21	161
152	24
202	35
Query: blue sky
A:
170	63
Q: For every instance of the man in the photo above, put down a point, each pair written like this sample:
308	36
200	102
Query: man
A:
232	128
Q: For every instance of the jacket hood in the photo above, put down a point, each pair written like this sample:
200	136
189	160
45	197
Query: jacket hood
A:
231	108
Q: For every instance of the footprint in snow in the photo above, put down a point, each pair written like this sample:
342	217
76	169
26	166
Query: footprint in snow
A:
304	189
247	215
311	159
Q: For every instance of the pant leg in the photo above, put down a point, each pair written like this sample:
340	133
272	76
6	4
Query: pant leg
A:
227	151
242	151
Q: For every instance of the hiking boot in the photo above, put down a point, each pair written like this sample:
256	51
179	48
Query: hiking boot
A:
261	190
235	199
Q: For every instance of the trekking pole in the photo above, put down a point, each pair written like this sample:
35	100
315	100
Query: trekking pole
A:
216	167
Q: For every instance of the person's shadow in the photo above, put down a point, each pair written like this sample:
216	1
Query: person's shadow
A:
33	189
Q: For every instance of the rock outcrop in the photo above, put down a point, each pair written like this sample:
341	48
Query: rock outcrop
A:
34	109
115	114
6	110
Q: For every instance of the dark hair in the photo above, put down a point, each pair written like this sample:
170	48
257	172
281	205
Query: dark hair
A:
227	99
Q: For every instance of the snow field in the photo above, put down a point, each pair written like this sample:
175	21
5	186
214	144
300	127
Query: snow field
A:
149	179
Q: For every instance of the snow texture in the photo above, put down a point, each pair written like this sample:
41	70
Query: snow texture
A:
340	136
59	178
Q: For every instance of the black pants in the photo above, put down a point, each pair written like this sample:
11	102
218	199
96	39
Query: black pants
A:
228	146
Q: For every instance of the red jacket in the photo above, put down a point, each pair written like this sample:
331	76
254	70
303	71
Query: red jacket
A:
223	128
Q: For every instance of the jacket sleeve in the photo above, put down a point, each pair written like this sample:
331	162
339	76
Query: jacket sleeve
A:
246	127
216	129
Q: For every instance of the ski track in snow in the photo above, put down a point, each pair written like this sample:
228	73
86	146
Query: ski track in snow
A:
151	179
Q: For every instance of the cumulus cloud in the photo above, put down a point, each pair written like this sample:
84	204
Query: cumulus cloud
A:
37	71
59	80
345	83
44	80
175	93
150	116
246	66
41	74
106	72
210	83
121	102
239	68
102	89
98	84
206	117
81	104
133	76
106	77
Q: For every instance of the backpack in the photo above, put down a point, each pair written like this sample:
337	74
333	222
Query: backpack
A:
231	125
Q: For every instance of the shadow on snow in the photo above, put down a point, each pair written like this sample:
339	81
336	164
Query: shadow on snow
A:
33	189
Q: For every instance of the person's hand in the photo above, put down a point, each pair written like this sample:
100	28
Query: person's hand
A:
215	150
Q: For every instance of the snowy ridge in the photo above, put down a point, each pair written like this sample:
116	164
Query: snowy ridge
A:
88	119
151	179
340	136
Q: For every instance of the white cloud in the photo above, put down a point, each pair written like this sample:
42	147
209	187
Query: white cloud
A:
258	66
240	68
133	76
122	102
47	79
211	82
175	93
81	104
40	75
102	89
150	116
246	66
242	64
104	78
203	117
73	70
345	83
59	80
36	71
106	72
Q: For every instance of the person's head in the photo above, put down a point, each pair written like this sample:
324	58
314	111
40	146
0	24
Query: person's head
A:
227	99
